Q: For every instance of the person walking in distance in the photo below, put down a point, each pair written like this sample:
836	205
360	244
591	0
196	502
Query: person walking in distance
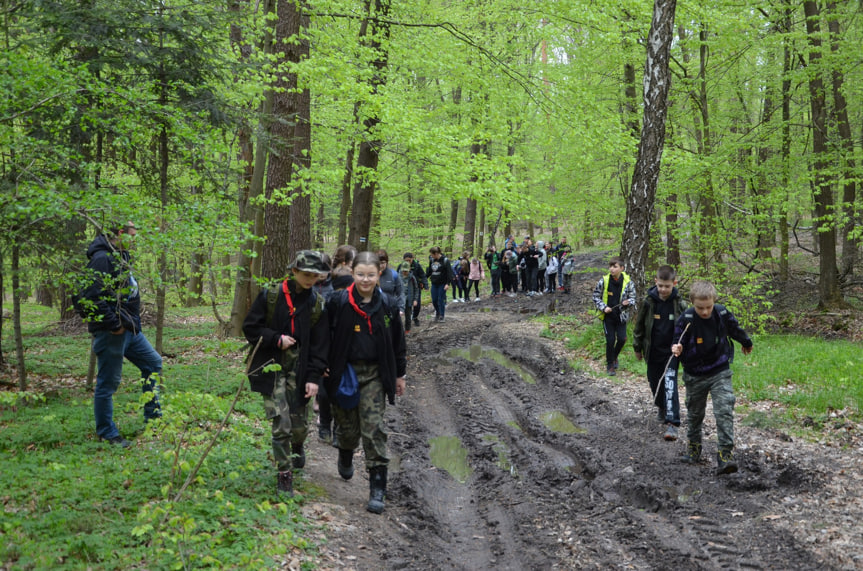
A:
420	275
439	274
111	306
614	298
367	338
493	261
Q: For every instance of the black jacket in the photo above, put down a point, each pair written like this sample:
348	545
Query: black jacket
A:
387	332
313	341
707	347
112	294
647	317
440	271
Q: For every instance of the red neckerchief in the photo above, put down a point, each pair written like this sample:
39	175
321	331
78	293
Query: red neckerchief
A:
357	307
291	307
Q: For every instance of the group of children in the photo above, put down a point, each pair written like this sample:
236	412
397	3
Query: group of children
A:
332	326
333	331
668	332
536	269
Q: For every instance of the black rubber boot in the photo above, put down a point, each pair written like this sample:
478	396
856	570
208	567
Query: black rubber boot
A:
377	489
693	453
299	459
346	464
285	484
335	435
725	462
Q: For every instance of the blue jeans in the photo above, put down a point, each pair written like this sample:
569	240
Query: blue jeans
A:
438	295
110	350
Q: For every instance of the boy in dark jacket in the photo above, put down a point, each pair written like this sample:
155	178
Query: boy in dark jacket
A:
411	287
706	354
439	274
614	298
652	339
294	333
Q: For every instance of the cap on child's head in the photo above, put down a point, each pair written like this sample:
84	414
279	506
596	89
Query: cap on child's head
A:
404	267
310	261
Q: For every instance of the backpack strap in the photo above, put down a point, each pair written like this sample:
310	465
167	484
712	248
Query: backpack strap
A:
272	297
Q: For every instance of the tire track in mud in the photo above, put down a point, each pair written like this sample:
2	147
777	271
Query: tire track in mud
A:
610	495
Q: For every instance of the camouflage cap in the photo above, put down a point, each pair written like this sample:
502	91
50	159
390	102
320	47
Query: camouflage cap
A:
310	261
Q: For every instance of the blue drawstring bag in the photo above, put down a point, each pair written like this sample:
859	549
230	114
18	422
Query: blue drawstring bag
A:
348	393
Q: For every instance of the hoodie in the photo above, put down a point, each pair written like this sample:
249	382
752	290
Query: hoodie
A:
112	291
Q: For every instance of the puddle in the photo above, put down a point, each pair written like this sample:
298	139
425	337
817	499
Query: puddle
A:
499	448
477	352
556	421
447	453
683	495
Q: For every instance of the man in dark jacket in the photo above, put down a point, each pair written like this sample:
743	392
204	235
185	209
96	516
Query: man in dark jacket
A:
439	274
420	275
294	335
111	304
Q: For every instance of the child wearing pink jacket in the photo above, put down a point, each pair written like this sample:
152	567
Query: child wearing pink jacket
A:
477	274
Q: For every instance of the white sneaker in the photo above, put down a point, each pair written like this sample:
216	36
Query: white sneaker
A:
463	300
477	299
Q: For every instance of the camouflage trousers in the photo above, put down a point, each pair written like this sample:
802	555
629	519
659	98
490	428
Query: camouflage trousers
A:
289	418
366	421
718	386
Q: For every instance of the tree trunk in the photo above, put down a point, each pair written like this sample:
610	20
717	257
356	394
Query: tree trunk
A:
846	143
453	220
829	295
2	299
254	161
277	217
345	205
301	202
787	62
367	160
163	257
640	202
483	231
16	316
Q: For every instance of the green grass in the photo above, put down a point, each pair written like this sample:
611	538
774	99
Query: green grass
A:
71	502
810	377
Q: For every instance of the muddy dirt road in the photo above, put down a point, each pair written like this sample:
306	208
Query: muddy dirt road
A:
505	458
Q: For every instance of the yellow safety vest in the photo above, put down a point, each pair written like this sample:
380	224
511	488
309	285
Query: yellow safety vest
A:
605	283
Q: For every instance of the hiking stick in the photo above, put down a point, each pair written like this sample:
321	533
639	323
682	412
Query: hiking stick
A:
668	364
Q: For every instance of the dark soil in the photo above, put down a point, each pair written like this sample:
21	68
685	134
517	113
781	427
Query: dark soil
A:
611	495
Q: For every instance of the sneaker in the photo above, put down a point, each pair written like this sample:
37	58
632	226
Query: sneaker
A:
463	300
477	299
561	288
670	433
440	320
725	463
537	293
611	372
416	322
118	441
